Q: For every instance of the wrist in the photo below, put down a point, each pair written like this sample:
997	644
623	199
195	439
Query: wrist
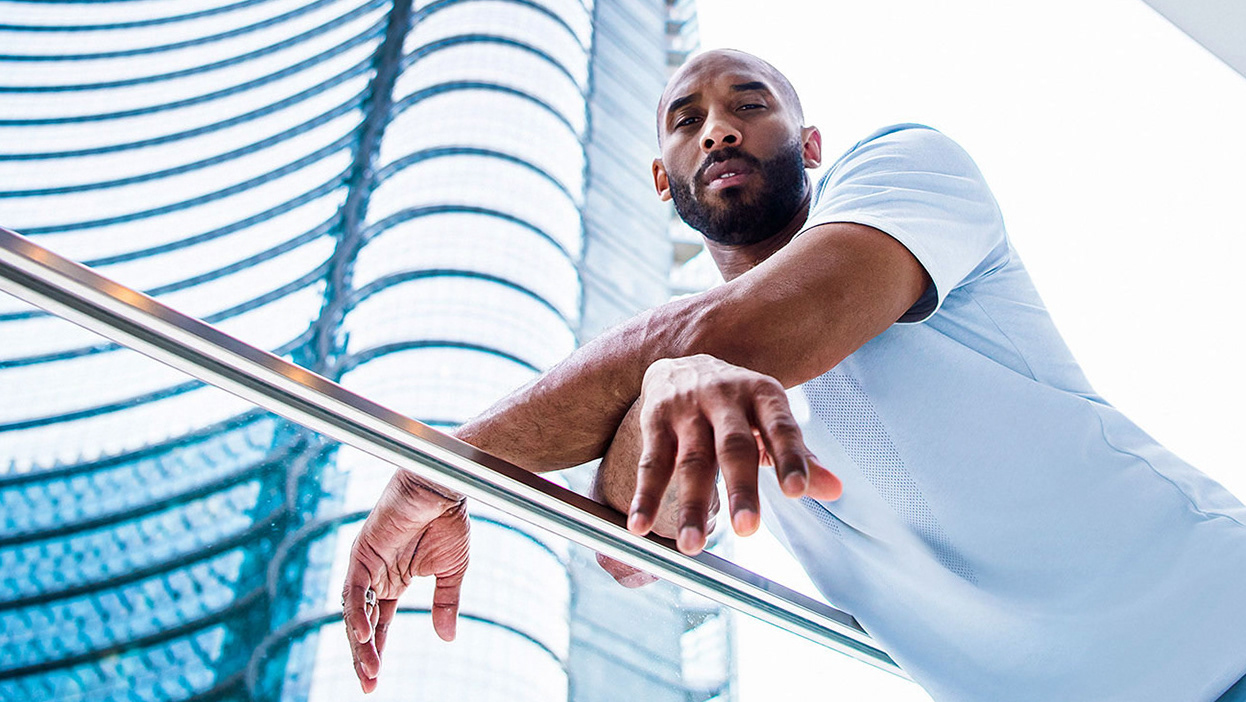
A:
413	488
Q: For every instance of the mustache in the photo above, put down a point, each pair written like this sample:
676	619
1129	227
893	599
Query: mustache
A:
723	154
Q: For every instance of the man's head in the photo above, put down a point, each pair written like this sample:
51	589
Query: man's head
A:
734	147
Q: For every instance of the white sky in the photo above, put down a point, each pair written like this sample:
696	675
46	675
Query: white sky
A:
1114	145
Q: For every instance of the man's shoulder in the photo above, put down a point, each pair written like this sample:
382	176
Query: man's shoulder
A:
907	148
902	132
901	135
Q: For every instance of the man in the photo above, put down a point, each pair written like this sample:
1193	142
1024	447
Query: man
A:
1002	532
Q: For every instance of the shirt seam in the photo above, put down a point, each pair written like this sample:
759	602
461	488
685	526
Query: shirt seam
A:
1017	349
1103	431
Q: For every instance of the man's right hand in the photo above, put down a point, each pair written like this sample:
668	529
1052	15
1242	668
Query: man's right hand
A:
416	529
699	415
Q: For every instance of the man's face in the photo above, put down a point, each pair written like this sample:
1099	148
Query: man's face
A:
737	214
733	151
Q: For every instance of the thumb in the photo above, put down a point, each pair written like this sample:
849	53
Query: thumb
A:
823	485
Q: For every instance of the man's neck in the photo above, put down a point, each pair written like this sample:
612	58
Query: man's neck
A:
734	261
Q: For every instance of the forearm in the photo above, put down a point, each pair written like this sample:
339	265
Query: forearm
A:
570	414
792	318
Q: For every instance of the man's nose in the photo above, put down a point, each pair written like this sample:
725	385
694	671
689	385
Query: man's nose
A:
719	133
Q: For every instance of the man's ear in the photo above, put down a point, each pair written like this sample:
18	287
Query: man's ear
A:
811	149
660	181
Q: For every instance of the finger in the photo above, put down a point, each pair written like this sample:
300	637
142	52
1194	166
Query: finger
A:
385	616
359	631
657	463
666	524
367	661
446	605
781	434
624	574
823	484
737	453
358	580
695	471
366	682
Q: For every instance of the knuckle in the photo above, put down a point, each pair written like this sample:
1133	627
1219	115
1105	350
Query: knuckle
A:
682	400
694	458
693	510
742	496
650	469
768	385
784	427
659	368
648	492
737	443
407	487
720	393
773	400
655	409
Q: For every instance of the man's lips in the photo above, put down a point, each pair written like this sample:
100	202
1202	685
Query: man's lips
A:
728	173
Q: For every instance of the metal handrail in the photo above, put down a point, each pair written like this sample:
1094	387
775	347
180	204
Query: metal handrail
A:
130	318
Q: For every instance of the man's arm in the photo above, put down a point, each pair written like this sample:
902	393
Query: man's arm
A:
793	317
788	320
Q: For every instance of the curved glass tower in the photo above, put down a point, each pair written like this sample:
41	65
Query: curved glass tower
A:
428	201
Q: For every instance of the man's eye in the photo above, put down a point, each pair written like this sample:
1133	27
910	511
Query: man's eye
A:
685	122
752	106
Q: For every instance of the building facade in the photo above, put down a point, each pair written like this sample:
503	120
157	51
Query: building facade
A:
427	201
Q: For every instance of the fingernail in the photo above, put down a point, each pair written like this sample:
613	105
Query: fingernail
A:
637	523
690	539
744	520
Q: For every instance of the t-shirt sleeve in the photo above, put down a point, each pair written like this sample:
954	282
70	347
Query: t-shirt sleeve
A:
924	190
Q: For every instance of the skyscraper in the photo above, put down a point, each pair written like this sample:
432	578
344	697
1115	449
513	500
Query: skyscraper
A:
429	202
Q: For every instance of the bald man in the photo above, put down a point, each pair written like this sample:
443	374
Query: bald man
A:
1003	532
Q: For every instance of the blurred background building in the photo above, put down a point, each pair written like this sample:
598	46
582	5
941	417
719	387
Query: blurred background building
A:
430	202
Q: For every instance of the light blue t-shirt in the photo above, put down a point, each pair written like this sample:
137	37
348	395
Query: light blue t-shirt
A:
1004	533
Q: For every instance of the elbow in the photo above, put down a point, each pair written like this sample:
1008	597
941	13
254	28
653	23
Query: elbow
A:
717	324
680	328
710	324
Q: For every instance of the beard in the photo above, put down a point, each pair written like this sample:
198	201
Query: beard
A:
739	221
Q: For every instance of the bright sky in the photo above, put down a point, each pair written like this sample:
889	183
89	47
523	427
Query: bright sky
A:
1113	143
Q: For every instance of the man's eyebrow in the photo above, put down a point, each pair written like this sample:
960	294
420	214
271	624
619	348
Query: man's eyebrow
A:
751	85
737	88
680	102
